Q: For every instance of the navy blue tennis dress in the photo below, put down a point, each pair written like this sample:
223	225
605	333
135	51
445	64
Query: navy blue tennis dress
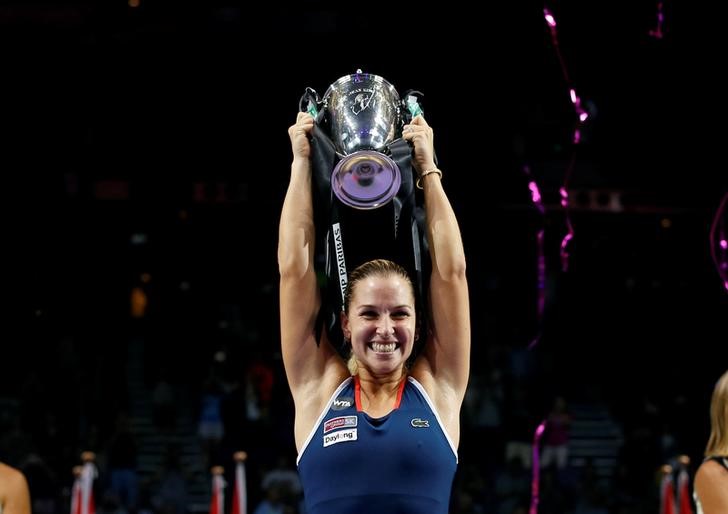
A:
402	463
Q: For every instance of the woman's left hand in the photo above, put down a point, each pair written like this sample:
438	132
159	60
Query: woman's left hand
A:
420	134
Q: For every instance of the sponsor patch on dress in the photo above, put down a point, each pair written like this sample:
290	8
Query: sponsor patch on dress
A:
342	402
342	436
340	422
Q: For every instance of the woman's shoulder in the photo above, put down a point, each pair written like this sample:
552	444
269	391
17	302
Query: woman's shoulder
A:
7	472
709	471
711	486
10	479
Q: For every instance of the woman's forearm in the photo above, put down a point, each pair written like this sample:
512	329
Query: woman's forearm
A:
296	232
446	245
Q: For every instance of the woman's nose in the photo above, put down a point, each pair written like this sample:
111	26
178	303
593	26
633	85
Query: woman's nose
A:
385	328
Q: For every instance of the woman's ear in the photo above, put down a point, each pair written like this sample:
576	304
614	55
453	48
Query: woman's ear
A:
345	326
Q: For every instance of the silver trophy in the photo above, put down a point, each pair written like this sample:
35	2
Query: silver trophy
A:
364	191
364	116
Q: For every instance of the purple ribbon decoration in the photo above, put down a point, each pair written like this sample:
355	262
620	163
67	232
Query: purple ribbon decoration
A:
657	32
581	117
719	251
536	467
563	249
540	259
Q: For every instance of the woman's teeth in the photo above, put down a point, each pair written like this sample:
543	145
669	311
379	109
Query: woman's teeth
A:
383	347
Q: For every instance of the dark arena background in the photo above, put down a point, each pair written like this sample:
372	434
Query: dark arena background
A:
145	159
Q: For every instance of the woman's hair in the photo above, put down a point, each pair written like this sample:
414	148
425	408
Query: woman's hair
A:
718	441
376	267
381	267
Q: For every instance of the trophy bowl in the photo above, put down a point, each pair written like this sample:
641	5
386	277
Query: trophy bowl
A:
364	117
366	179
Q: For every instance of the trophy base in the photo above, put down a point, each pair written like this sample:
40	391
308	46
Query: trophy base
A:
366	179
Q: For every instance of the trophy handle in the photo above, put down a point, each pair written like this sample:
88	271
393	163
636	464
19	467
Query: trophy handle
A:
412	104
310	102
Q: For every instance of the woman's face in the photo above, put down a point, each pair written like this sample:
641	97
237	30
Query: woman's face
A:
381	323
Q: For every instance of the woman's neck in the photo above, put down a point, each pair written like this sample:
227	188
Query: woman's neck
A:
379	395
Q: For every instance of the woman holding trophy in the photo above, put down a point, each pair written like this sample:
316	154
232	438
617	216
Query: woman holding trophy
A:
378	434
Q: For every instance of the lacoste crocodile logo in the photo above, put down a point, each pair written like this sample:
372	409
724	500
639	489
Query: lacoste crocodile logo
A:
420	423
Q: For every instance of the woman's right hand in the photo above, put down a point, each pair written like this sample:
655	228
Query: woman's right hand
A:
299	133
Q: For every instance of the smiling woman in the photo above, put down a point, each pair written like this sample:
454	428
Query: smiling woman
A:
711	480
380	283
379	416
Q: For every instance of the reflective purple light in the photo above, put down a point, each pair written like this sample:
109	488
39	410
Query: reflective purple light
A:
536	467
581	117
657	32
536	195
540	259
719	251
549	18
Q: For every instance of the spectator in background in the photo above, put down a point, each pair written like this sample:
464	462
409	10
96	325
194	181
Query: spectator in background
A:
511	487
164	403
519	426
483	406
14	493
41	483
210	426
711	480
259	389
556	437
122	463
272	503
284	478
170	491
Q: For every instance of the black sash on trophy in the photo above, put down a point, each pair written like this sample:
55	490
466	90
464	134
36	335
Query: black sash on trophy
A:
355	226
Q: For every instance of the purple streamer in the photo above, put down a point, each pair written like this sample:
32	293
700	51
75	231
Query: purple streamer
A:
541	287
719	252
657	32
536	467
535	192
564	248
540	259
581	117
